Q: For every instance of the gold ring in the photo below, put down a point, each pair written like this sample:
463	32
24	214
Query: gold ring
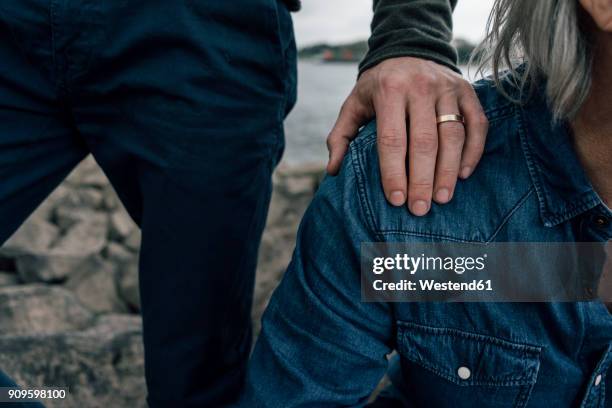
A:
449	118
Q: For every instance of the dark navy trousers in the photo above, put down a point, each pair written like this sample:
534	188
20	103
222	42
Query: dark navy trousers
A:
181	103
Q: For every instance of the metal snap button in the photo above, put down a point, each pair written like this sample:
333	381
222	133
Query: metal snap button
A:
598	380
464	373
602	221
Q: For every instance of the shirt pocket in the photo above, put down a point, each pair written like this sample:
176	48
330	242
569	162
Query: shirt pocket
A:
449	367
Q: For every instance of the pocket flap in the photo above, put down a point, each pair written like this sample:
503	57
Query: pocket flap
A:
467	358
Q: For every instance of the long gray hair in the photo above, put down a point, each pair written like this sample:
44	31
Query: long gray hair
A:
550	37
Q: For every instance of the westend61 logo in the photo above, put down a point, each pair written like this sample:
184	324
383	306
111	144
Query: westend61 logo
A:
414	264
481	272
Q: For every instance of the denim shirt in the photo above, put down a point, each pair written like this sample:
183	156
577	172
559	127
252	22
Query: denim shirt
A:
321	345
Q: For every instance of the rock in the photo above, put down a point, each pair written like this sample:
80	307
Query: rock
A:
67	217
274	255
95	287
94	179
121	225
79	197
87	174
127	264
70	335
89	197
33	236
111	201
73	251
103	366
300	185
47	208
315	171
128	286
8	279
35	309
132	241
119	255
88	237
49	268
277	210
285	209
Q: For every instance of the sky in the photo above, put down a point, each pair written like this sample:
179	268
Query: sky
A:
337	21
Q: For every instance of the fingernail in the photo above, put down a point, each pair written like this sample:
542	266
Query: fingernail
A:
419	207
442	195
466	171
397	198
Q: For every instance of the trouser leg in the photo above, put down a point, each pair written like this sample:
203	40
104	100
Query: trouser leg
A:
38	145
183	109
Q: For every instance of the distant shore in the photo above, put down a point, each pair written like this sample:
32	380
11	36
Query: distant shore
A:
355	51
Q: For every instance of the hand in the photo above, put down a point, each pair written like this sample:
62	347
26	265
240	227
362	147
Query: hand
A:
404	88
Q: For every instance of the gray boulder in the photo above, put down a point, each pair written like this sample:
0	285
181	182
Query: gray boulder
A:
121	225
33	236
96	288
128	286
110	200
80	197
126	263
103	366
87	174
73	251
47	208
8	279
132	241
35	309
66	217
119	255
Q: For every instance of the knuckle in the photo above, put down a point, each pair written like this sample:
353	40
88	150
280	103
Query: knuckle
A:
482	120
392	177
353	110
392	138
361	112
447	174
473	154
479	150
466	88
392	82
425	143
420	187
347	106
423	83
453	134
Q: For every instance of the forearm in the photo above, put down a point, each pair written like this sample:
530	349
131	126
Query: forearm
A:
415	28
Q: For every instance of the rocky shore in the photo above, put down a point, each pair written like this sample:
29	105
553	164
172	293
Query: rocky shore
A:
69	302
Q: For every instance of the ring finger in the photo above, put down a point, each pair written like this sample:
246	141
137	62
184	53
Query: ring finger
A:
451	139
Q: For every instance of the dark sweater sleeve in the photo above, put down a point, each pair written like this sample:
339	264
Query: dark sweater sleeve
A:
412	28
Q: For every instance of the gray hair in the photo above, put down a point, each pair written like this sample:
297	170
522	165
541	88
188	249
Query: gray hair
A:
550	38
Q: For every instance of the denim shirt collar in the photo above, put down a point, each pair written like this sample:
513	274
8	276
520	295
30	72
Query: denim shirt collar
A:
561	184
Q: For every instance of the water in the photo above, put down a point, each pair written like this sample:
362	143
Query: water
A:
322	87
